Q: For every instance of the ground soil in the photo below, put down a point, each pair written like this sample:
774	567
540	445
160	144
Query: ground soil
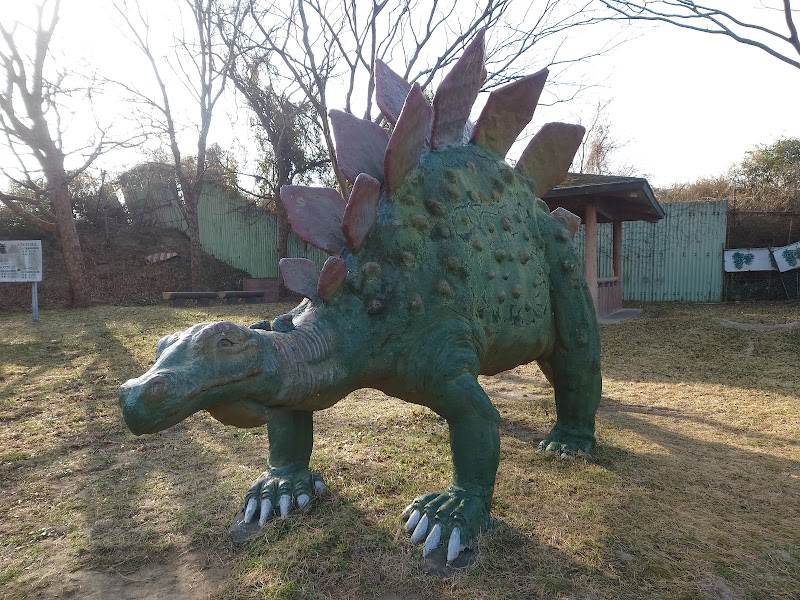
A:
188	575
117	271
691	493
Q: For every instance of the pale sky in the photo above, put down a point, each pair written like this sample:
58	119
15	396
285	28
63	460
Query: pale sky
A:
689	105
692	104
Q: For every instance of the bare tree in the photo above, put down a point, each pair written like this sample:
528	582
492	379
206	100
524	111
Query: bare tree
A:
599	146
774	32
34	116
315	42
200	67
288	134
287	130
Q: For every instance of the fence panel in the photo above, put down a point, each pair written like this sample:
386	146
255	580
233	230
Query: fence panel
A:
245	236
154	204
676	259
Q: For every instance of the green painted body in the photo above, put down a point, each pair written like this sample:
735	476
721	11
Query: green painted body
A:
465	273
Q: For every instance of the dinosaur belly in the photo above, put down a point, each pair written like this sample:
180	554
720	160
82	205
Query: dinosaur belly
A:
239	413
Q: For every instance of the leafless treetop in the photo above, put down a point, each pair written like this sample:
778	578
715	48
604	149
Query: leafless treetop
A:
774	33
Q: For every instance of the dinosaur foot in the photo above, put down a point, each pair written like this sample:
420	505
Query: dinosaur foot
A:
568	440
279	491
450	519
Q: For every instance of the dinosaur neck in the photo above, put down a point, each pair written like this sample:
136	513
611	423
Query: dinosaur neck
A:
311	371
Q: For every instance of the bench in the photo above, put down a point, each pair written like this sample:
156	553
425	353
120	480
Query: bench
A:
183	298
233	296
203	298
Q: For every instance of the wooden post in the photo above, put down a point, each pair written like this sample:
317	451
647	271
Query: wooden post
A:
617	252
590	250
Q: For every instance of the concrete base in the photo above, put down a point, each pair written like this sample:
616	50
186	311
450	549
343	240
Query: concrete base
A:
619	316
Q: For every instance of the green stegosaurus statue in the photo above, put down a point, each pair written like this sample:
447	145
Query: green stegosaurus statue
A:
444	264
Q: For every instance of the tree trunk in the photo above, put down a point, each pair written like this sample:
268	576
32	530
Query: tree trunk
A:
195	249
67	234
283	243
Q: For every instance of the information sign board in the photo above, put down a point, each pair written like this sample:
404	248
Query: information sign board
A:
788	257
20	260
748	259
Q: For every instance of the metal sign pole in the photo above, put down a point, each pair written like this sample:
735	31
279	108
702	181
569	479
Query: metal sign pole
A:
35	300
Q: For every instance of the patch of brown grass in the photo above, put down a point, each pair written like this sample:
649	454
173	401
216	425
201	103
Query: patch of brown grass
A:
693	491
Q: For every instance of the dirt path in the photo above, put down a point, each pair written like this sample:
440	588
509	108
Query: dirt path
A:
759	327
184	575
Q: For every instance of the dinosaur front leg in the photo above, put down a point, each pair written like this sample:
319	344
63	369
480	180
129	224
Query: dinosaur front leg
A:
460	512
287	482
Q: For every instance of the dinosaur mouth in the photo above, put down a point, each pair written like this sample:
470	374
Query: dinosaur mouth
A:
153	405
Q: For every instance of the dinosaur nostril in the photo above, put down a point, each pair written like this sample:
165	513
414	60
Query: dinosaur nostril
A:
157	387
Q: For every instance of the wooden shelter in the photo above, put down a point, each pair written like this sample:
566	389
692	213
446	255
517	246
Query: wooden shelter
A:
605	199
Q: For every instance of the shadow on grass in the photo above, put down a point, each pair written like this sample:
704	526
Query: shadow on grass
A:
337	550
121	502
522	430
674	344
703	511
151	493
689	514
756	437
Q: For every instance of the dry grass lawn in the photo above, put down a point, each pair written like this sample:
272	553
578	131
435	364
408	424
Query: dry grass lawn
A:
693	491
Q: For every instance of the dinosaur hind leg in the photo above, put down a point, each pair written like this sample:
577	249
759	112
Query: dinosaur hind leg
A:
574	363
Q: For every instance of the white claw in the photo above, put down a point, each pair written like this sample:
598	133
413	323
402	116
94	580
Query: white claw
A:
303	500
420	531
412	521
454	546
432	541
284	504
407	511
250	510
266	512
320	487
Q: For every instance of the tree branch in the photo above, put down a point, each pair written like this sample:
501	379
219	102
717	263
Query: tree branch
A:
706	19
12	202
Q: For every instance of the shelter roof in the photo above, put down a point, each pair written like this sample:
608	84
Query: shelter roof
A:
616	198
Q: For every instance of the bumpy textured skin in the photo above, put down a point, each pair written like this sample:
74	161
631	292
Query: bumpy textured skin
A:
464	273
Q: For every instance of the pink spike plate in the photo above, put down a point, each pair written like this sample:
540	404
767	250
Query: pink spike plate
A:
360	145
300	275
456	95
333	273
549	154
315	214
408	140
390	91
507	111
361	212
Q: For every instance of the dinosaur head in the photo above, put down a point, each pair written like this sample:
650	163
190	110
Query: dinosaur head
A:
194	369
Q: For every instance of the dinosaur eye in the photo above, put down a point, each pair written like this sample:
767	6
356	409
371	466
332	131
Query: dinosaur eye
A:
224	343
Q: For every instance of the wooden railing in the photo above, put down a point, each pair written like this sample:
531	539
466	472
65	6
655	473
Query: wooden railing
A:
609	295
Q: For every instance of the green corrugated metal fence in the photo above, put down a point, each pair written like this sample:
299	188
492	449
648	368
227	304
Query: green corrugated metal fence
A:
231	230
154	204
245	236
676	259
